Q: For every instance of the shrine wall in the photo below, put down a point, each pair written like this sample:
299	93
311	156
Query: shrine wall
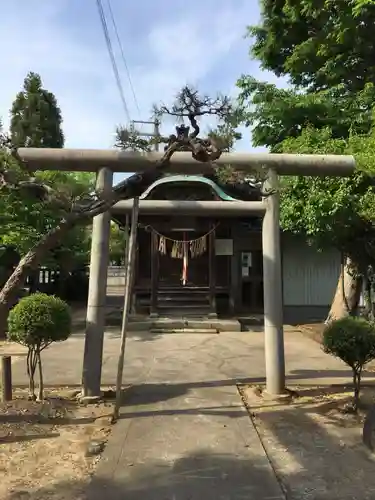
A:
310	278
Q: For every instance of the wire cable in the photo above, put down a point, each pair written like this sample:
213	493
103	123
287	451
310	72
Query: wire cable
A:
110	10
112	57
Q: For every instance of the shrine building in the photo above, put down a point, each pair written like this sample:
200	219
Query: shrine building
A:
211	265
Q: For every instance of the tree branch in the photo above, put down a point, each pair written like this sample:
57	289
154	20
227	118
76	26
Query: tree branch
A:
189	103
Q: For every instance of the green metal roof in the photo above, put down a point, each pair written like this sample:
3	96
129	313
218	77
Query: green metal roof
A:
189	178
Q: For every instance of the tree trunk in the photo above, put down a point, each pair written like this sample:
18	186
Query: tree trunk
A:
348	293
31	366
357	375
367	299
41	381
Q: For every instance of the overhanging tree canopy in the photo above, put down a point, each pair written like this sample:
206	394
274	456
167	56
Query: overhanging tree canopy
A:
318	44
80	210
325	47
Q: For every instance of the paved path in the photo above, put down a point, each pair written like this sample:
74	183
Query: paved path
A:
184	433
196	446
153	357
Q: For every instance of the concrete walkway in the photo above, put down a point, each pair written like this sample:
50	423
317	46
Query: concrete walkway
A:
193	446
184	433
191	439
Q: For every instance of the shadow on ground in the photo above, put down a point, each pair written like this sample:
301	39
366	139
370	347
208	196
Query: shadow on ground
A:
194	477
151	393
316	453
144	394
311	463
27	437
40	419
325	374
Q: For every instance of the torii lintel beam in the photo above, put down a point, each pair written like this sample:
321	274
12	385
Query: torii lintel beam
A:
197	208
91	160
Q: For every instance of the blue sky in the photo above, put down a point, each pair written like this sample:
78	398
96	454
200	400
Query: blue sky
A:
167	44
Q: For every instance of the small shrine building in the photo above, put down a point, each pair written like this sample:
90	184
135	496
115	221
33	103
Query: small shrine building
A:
208	266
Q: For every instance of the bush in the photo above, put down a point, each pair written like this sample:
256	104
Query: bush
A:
353	341
35	322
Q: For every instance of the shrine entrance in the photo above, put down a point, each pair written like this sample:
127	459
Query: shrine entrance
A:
269	166
179	270
181	278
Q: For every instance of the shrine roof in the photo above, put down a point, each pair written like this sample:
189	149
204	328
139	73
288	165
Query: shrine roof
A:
189	179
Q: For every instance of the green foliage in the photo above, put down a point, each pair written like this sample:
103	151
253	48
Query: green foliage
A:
128	139
334	211
278	114
38	320
350	339
317	43
353	341
117	245
36	122
36	118
25	220
225	134
35	322
324	47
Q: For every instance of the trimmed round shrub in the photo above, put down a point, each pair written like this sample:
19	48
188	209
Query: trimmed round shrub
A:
350	339
38	320
353	341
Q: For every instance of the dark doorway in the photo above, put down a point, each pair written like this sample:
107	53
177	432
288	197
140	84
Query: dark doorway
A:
252	281
171	268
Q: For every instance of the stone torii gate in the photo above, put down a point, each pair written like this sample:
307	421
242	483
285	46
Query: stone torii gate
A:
105	162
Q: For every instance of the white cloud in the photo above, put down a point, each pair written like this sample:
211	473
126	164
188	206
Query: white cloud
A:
68	51
73	71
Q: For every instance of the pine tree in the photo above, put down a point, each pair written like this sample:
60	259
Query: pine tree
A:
35	116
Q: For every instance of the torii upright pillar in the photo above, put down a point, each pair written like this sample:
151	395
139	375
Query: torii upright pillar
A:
272	285
95	316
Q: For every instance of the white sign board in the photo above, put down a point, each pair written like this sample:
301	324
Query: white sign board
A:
224	247
245	272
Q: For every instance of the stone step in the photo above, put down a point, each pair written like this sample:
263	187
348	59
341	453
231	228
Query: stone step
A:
183	298
176	301
184	330
183	291
184	305
184	324
165	313
199	310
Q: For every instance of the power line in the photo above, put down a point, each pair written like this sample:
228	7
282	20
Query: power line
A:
112	57
123	55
